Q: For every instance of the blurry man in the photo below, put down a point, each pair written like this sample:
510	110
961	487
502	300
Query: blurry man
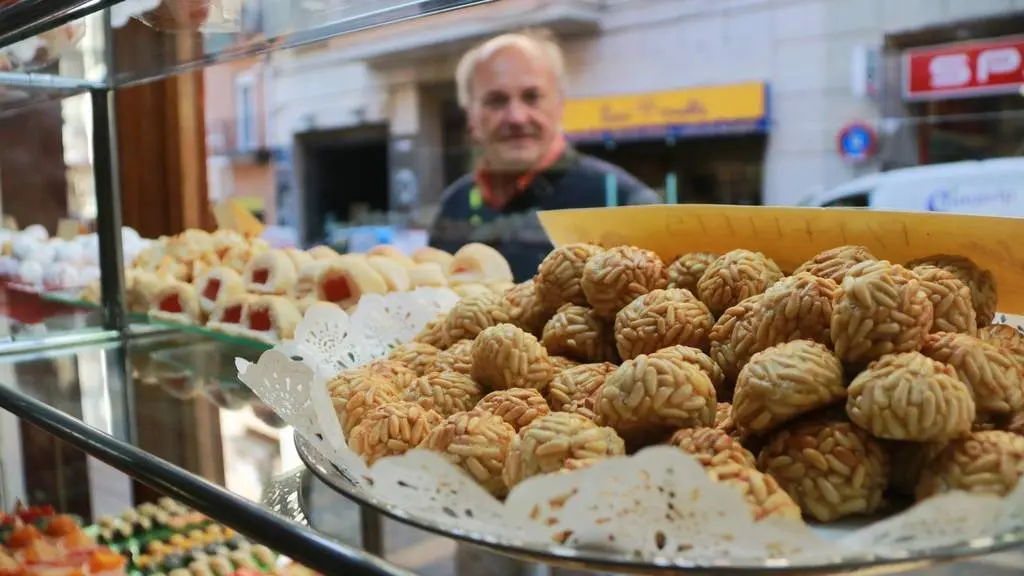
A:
512	89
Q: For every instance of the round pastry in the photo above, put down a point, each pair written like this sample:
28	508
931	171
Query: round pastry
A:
427	275
397	374
831	469
218	283
395	275
981	463
421	358
981	282
711	447
355	394
525	308
466	290
560	364
1007	338
686	270
304	288
30	272
481	263
734	277
724	421
763	494
517	406
389	251
659	319
432	255
343	281
798	307
434	333
478	442
614	278
238	257
559	274
881	309
392	430
833	264
910	397
504	356
444	392
60	276
995	379
648	395
299	257
546	444
227	315
176	301
908	460
577	332
271	272
473	314
951	300
577	384
734	338
457	358
784	382
698	359
322	253
271	318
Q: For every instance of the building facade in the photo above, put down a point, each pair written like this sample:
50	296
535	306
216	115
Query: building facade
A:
737	101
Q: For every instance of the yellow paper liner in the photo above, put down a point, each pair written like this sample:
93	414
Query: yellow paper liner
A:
791	235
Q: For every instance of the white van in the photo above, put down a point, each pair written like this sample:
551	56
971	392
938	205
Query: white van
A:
984	187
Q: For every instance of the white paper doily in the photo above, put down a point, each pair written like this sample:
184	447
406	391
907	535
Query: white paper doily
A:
655	507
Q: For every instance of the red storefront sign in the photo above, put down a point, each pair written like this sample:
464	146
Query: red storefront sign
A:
981	68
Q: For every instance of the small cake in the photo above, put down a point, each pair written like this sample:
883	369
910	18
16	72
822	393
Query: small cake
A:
434	333
951	300
271	318
517	406
421	358
394	273
910	397
995	379
467	290
659	319
427	275
304	288
762	493
504	356
734	277
444	392
227	315
478	263
881	309
784	382
833	264
344	280
980	463
546	444
478	442
298	257
560	273
271	272
322	253
614	278
358	394
432	255
578	332
711	447
831	469
397	374
798	307
456	358
699	359
1007	338
217	284
981	282
392	430
684	272
734	338
389	251
177	301
577	384
525	307
473	314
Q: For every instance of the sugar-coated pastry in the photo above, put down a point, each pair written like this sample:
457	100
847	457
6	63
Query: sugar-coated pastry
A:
176	301
478	263
431	254
68	252
271	318
224	240
140	288
395	275
343	281
305	285
322	253
427	274
238	257
299	257
59	275
272	272
216	284
30	272
191	245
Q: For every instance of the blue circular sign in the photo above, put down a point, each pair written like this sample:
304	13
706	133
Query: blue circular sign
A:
857	142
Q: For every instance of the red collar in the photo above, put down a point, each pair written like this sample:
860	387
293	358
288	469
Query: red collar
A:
523	181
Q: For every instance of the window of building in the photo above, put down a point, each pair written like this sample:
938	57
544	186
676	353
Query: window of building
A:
246	111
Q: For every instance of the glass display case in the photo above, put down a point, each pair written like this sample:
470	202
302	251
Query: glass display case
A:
111	402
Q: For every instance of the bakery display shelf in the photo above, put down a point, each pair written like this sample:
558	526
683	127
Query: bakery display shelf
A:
248	518
189	34
18	90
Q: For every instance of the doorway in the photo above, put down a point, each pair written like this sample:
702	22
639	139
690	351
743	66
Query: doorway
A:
344	178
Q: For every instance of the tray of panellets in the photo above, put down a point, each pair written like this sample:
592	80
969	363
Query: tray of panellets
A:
697	388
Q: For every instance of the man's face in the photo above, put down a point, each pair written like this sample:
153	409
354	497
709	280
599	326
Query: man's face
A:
515	109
